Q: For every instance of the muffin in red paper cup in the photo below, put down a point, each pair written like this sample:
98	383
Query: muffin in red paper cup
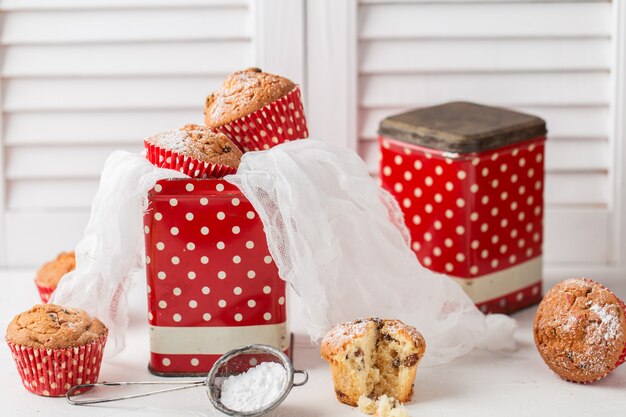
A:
56	348
194	150
257	110
580	330
50	273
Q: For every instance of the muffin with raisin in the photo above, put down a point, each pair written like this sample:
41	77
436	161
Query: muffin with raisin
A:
195	150
373	357
55	348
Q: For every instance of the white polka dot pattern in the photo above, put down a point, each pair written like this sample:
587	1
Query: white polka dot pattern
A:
209	269
487	208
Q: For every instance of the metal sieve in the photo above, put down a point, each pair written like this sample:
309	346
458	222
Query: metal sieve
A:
234	362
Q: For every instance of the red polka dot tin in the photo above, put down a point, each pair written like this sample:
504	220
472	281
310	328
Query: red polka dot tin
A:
212	284
469	180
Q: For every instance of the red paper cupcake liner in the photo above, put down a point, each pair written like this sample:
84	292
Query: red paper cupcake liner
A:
52	372
622	356
44	292
280	121
165	158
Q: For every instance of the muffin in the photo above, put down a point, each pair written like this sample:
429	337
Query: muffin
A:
49	275
257	110
373	357
194	150
55	348
580	330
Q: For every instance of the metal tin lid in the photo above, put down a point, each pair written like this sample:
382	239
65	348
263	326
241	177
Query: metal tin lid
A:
462	127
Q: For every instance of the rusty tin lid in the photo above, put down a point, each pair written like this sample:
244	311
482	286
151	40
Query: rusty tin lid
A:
462	127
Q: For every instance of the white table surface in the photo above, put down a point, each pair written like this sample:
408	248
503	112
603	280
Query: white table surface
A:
479	384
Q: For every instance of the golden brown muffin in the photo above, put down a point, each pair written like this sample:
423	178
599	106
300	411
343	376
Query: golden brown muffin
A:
580	330
51	326
373	357
200	143
242	93
51	272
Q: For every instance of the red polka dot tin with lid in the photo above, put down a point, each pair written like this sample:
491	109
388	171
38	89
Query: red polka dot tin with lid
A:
469	179
212	284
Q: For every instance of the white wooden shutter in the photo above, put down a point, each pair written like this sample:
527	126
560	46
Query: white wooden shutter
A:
80	79
555	59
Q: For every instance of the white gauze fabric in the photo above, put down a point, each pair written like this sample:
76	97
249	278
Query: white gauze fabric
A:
112	248
340	240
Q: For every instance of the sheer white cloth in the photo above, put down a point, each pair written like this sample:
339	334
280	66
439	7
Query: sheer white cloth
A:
340	240
112	248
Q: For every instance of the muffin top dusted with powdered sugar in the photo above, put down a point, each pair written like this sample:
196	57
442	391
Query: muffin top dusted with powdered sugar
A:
242	93
52	326
200	143
580	330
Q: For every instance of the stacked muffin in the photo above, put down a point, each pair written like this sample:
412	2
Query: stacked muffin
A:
252	111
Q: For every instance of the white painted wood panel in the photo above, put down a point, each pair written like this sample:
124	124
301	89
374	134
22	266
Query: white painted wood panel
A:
527	89
128	59
53	194
484	55
88	26
392	20
34	236
39	94
92	127
575	236
60	161
12	5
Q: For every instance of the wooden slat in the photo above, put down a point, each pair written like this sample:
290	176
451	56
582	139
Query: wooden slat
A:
562	156
490	55
576	236
108	93
92	127
332	70
510	89
45	162
577	189
388	21
44	193
129	59
12	5
562	122
81	26
38	236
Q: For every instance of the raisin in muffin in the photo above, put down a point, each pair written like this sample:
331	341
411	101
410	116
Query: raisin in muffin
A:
580	330
49	275
242	93
373	357
55	348
200	143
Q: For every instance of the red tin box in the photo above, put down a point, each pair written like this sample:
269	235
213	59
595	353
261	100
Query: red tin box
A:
469	179
212	284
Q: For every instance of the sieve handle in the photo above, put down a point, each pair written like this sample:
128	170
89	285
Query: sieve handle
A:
181	386
304	381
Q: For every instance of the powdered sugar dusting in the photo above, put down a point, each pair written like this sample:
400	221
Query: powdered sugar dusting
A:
343	333
255	389
175	140
569	323
609	321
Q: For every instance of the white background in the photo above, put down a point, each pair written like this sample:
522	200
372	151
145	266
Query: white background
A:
80	78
